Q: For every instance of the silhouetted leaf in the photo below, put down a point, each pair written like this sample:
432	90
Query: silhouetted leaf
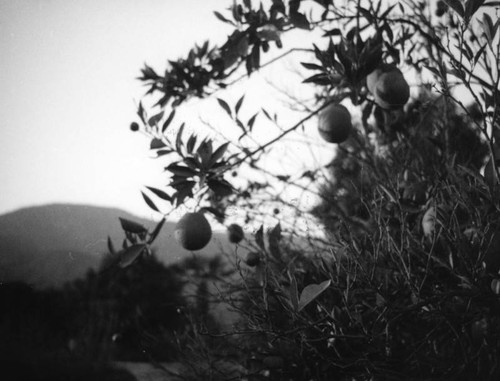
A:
259	237
311	292
219	153
157	143
153	121
156	231
251	121
111	247
222	18
225	106
239	103
274	239
178	140
168	121
311	66
132	226
150	203
161	194
220	187
180	170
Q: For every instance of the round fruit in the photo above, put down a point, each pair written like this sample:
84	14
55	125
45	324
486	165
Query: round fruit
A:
490	176
335	123
134	126
252	259
193	232
388	86
235	233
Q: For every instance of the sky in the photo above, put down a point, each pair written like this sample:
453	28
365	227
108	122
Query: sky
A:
68	73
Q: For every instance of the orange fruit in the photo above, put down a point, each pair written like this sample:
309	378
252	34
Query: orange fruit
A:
334	123
193	232
388	87
235	233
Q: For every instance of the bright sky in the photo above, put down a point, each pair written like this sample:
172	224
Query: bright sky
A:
68	78
69	92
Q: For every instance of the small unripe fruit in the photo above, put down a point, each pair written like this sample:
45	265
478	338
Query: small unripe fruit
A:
235	233
252	259
334	124
193	232
134	126
388	87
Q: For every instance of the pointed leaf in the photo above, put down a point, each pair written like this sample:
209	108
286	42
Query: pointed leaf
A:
150	203
130	254
239	103
311	292
155	119
259	237
219	153
156	231
225	106
251	121
168	121
178	140
274	240
161	194
156	144
132	226
111	247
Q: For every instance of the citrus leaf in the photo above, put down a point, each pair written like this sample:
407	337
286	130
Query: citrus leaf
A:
150	203
259	237
311	292
156	231
156	144
130	254
168	121
219	153
225	106
132	226
111	247
155	119
161	194
239	103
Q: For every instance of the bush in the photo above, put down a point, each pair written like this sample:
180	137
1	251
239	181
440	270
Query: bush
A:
360	290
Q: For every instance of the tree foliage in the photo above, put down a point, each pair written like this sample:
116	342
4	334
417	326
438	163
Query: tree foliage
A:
397	282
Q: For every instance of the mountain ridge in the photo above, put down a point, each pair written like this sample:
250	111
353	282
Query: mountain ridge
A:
49	245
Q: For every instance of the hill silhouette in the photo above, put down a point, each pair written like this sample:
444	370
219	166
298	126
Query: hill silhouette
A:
46	246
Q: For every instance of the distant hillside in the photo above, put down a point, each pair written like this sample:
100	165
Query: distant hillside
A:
49	245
